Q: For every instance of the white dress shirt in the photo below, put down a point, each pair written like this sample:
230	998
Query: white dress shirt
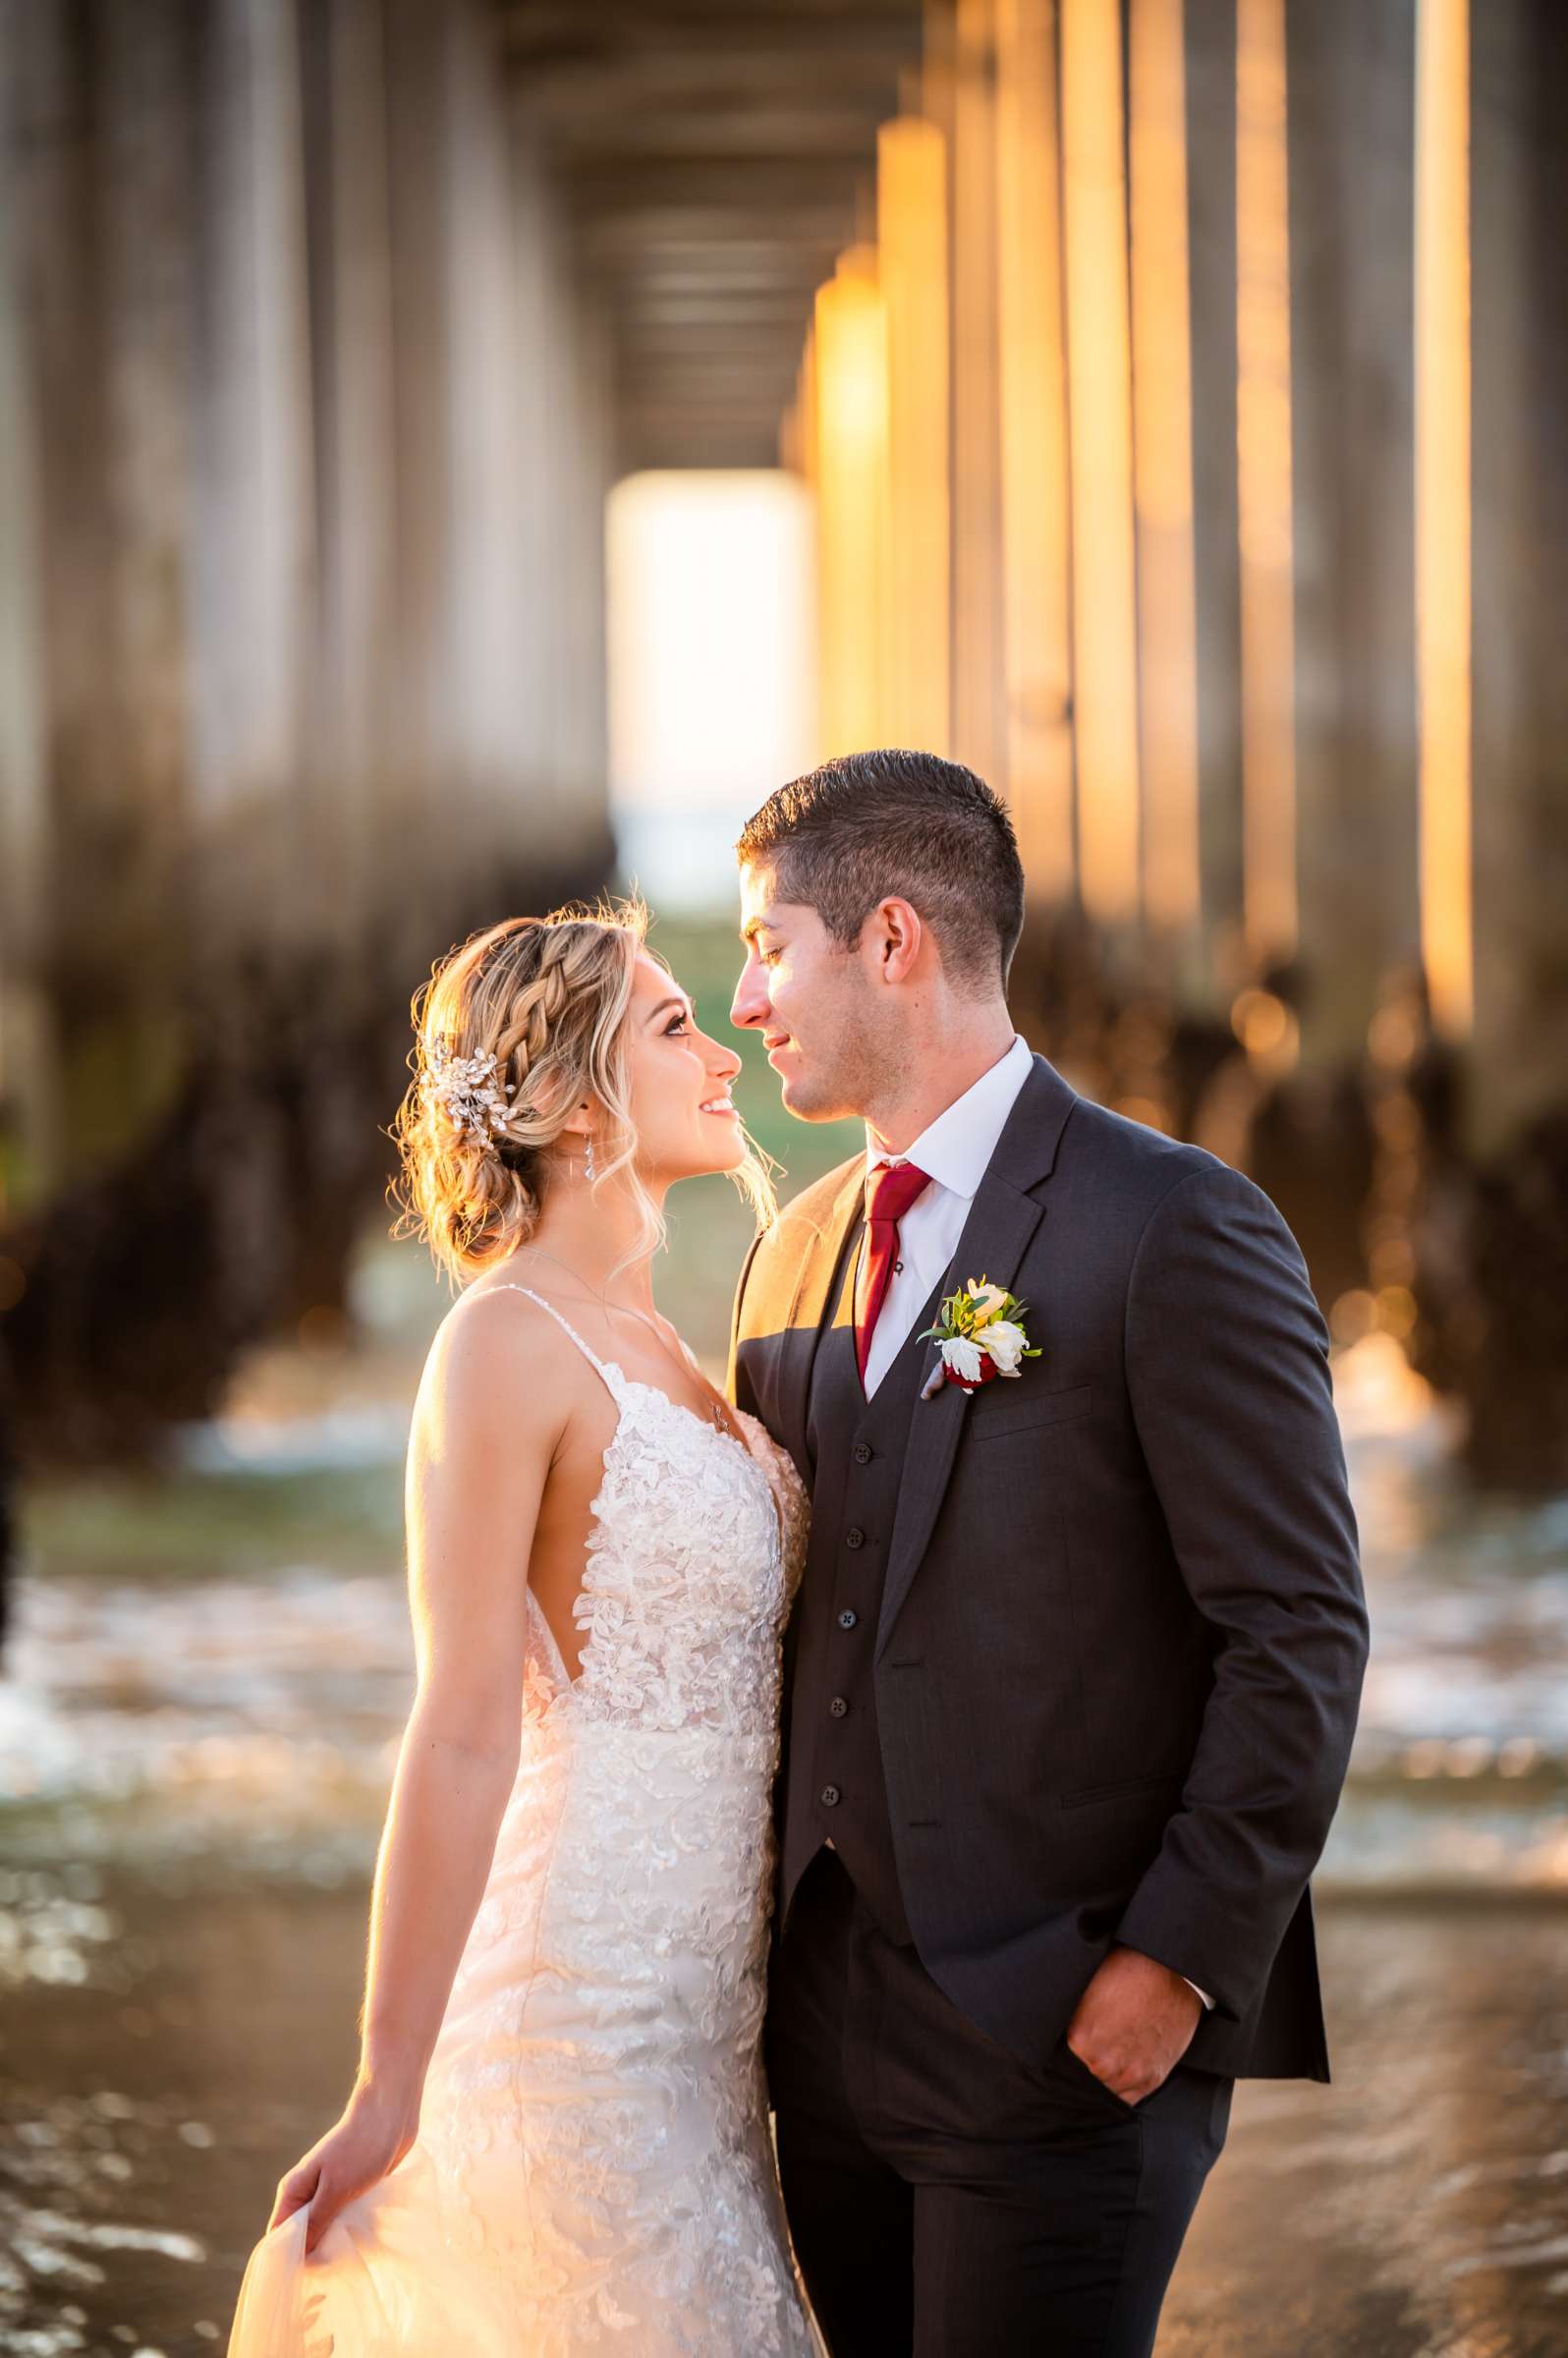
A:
954	1151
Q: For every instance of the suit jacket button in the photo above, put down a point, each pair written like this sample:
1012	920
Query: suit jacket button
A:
855	1537
862	1453
848	1618
838	1706
830	1797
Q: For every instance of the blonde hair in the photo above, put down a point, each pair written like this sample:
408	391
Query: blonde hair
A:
547	998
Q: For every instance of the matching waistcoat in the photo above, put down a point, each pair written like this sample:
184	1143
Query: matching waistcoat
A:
832	1780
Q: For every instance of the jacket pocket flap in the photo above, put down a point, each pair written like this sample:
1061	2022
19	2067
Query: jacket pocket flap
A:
1019	1416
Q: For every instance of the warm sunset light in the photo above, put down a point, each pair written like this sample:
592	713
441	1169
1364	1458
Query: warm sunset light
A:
1035	513
1163	435
1105	620
979	721
912	251
1264	480
1442	503
851	473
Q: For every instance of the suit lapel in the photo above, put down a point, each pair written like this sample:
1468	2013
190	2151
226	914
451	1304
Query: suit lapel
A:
1001	1223
816	1293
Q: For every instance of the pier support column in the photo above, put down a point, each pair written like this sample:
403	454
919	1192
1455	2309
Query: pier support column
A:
1352	206
1519	180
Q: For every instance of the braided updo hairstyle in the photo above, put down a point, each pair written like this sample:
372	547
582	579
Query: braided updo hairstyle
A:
547	999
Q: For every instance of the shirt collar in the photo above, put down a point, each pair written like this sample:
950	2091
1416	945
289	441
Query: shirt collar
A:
955	1148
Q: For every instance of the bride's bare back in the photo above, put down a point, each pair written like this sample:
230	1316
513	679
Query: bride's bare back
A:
587	1418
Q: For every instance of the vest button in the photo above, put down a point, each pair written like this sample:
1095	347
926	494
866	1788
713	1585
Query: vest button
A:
848	1618
862	1453
838	1706
830	1797
855	1537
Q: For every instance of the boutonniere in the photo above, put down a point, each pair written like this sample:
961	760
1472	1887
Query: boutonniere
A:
980	1333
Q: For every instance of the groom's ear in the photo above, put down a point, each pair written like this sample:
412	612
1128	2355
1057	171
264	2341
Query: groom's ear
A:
893	937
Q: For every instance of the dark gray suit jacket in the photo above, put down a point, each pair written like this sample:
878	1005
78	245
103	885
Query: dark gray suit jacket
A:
1122	1631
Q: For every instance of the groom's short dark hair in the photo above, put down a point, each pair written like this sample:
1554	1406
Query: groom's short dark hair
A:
845	836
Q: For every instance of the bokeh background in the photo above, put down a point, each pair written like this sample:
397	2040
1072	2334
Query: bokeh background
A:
461	454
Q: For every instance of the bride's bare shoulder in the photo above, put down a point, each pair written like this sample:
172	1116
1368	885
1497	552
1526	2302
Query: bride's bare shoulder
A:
485	1359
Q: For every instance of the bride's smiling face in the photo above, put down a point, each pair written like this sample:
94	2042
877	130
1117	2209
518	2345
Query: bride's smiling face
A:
679	1081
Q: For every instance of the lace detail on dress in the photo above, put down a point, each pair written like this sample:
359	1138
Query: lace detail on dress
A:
677	1636
593	2171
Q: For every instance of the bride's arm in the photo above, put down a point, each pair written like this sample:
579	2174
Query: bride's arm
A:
483	1435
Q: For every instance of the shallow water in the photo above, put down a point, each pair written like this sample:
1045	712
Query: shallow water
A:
206	1686
1417	2207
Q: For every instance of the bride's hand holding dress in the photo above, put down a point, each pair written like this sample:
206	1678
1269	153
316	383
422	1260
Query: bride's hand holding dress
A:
371	2138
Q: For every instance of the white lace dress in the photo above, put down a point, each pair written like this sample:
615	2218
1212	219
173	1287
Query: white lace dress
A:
593	2171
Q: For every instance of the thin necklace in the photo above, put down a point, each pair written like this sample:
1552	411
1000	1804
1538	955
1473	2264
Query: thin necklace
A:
710	1415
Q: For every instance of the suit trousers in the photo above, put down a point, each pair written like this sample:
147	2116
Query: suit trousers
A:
947	2199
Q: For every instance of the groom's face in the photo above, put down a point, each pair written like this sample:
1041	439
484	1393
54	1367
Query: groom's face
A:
811	1001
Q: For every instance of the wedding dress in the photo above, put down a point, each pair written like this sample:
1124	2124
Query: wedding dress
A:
593	2171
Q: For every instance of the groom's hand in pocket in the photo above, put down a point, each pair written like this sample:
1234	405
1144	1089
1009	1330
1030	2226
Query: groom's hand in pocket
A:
1133	2023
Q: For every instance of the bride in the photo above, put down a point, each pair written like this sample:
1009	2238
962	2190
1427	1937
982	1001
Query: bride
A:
557	2140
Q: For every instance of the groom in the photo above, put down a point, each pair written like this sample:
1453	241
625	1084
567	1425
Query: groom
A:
1072	1675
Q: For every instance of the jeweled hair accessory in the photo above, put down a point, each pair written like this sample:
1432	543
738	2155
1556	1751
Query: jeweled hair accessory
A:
465	1087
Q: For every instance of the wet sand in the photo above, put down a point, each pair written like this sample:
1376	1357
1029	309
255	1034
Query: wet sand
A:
1417	2207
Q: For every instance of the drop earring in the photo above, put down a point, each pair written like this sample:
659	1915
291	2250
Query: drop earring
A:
588	1159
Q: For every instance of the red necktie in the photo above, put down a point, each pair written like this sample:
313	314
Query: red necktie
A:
893	1189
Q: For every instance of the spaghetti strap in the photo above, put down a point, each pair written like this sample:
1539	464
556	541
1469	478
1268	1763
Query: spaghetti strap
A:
606	1369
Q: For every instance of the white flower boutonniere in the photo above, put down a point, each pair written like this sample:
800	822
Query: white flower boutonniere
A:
980	1333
